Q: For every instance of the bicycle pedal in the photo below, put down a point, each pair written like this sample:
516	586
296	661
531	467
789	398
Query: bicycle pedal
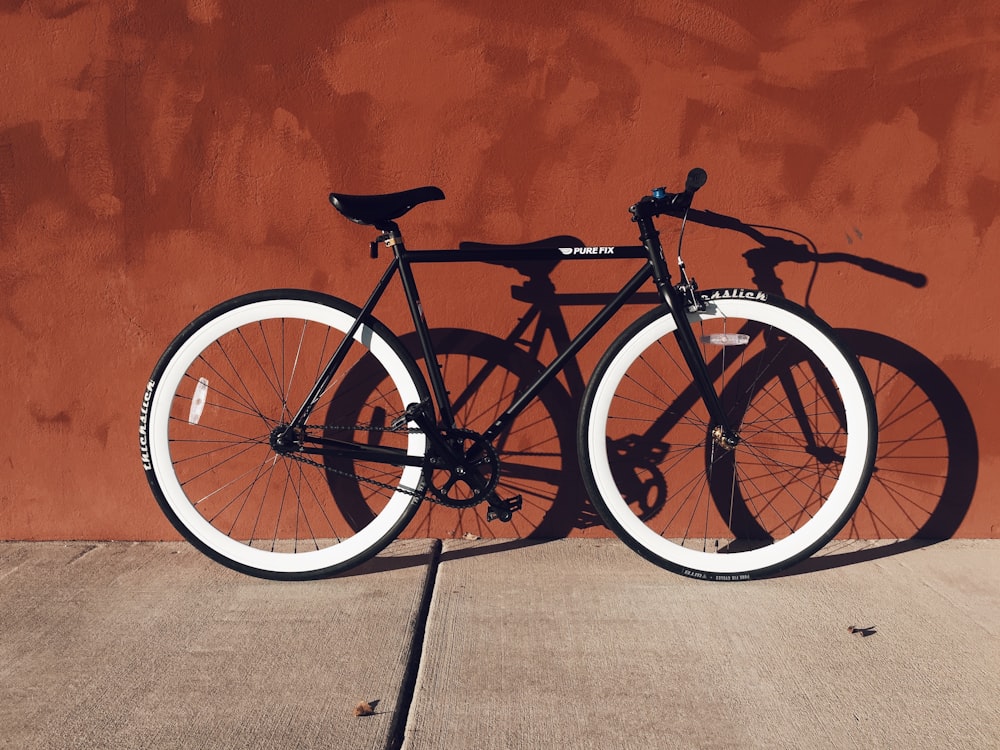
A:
503	510
413	413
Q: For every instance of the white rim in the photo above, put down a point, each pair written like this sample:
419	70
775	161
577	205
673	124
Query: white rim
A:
159	444
809	533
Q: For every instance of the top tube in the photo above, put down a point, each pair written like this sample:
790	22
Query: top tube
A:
522	253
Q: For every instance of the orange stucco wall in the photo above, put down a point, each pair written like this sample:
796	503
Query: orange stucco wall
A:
158	157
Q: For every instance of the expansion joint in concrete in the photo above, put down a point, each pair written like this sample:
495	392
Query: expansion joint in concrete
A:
401	717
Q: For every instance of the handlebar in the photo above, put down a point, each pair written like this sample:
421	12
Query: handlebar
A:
773	250
661	202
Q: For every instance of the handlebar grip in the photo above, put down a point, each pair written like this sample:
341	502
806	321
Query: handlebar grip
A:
696	179
676	204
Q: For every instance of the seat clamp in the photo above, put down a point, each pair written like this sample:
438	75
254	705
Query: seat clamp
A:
390	240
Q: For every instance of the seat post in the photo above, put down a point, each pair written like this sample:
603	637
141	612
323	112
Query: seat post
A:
390	237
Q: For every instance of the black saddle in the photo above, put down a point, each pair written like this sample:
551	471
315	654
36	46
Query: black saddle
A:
381	210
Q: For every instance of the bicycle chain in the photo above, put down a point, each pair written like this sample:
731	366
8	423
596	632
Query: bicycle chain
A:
350	475
434	498
362	427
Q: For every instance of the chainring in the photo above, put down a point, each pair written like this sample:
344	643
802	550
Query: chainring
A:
454	488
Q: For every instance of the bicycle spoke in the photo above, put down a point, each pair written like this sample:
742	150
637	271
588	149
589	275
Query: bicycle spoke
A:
698	503
272	509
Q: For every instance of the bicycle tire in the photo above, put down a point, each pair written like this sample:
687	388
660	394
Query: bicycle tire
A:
799	472
209	459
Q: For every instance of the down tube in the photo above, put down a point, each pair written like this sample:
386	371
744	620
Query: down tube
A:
588	332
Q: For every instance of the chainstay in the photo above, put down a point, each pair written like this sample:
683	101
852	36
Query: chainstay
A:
358	477
421	493
351	475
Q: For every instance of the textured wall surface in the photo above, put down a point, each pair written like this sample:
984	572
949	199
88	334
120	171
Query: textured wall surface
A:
159	157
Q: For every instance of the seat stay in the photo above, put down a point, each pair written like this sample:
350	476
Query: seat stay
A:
340	354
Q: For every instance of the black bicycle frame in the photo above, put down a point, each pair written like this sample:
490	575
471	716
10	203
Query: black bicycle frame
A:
403	259
515	255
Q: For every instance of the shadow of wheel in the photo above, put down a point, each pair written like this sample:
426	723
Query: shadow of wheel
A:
483	375
928	457
357	413
792	422
927	463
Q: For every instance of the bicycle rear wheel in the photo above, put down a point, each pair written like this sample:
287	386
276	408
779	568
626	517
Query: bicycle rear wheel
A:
223	390
804	413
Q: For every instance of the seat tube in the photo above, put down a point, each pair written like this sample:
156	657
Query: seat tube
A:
423	334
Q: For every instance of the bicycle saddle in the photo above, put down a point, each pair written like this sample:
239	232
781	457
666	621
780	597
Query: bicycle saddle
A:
379	210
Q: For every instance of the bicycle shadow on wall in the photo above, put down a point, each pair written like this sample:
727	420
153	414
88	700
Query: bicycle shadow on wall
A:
927	463
925	472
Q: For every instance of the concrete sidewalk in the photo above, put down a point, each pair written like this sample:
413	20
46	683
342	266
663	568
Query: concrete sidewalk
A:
575	644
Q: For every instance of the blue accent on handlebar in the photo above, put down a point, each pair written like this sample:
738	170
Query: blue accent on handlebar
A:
660	192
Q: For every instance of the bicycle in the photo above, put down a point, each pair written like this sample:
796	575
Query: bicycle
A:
482	372
687	391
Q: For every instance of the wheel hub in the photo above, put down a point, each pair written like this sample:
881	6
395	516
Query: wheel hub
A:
724	439
284	441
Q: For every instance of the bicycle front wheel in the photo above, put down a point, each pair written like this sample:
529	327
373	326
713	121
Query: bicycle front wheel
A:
804	413
220	395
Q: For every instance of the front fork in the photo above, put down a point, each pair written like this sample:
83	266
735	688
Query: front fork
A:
723	434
